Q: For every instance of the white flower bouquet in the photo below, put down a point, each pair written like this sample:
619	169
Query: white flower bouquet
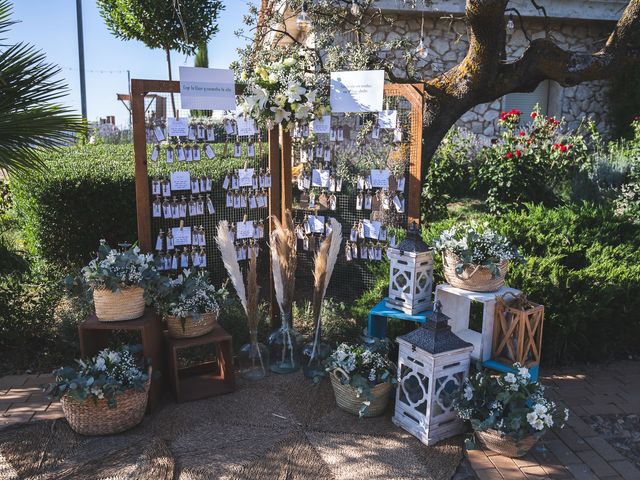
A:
508	406
105	376
281	93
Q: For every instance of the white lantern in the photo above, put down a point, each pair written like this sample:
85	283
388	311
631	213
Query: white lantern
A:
432	365
411	274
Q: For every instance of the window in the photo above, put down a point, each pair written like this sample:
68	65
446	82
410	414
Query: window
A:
525	102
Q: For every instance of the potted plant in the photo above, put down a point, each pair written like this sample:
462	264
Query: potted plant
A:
120	282
507	412
103	395
475	257
189	304
361	379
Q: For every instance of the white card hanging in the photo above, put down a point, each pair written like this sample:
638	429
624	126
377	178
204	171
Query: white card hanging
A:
203	237
382	234
371	252
243	200
184	260
320	178
251	150
155	186
237	150
359	202
305	130
192	208
157	209
245	229
181	155
245	177
392	240
183	209
246	126
367	182
154	153
338	184
236	200
200	131
210	208
229	127
379	178
208	150
332	183
360	182
174	262
299	232
306	182
402	204
253	202
229	202
166	210
307	226
169	155
371	228
354	250
203	184
170	245
211	136
312	200
180	180
235	182
354	234
375	132
387	119
316	223
181	235
263	200
400	183
397	135
195	258
319	151
188	154
347	252
208	184
259	232
196	153
192	133
159	134
333	202
333	135
364	252
166	189
226	182
195	185
326	157
305	243
266	183
254	182
397	202
340	134
322	124
200	206
203	259
367	201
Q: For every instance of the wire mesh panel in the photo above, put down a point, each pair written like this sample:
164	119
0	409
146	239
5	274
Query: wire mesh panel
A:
202	169
356	169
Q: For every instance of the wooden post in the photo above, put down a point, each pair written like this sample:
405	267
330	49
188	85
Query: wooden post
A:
143	201
285	143
275	210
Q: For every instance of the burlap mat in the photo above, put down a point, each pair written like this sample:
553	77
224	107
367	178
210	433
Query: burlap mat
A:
282	427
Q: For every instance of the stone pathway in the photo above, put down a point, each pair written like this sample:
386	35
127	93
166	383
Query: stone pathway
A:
600	441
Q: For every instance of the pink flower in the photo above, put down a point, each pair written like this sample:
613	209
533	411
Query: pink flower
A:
518	153
509	155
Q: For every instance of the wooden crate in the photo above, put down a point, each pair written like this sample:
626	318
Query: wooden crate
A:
517	331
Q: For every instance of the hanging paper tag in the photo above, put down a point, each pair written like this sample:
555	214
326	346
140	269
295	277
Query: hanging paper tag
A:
388	119
210	207
322	124
251	150
371	228
320	178
181	236
210	134
178	127
196	154
170	241
245	229
380	178
192	133
316	223
246	126
159	134
209	151
245	177
180	181
169	155
397	135
154	153
157	209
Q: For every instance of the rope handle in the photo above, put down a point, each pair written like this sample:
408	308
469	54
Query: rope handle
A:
343	374
519	299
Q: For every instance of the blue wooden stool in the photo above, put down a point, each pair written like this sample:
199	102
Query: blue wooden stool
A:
378	315
501	367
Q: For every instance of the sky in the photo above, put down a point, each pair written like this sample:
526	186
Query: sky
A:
50	25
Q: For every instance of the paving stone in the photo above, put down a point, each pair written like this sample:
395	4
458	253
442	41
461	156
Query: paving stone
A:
564	453
605	450
507	467
599	466
489	474
9	381
478	459
535	472
582	471
526	461
626	469
571	439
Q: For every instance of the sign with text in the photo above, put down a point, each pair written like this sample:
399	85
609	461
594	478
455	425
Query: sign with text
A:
180	181
181	236
178	127
207	88
359	91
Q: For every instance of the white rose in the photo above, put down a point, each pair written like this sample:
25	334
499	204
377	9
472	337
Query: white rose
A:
510	378
468	392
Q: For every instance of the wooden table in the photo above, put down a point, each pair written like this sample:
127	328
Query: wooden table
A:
94	336
206	379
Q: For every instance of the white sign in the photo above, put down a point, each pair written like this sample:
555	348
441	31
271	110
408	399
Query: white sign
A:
320	178
388	119
245	177
178	127
380	178
371	228
181	236
322	125
245	229
316	223
207	89
180	181
246	125
359	91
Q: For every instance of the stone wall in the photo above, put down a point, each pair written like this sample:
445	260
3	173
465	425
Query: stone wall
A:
447	42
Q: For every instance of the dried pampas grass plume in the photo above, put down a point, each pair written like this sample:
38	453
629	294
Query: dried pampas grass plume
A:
284	260
224	239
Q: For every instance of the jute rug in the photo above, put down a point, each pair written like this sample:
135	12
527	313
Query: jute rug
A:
282	427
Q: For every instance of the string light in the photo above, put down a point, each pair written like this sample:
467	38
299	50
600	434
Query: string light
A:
302	20
510	25
421	50
355	8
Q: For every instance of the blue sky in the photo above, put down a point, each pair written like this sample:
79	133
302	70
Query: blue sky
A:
50	25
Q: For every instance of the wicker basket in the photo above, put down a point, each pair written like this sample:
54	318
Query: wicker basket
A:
191	328
348	399
124	304
476	278
89	417
507	445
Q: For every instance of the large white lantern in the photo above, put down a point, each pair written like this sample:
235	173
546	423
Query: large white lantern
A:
432	365
411	274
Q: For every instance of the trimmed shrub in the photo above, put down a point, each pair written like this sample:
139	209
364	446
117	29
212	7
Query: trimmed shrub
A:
86	193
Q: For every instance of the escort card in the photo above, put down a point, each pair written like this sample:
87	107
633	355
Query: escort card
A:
388	119
320	178
371	228
178	127
246	125
322	125
181	236
316	223
180	181
380	178
245	229
245	177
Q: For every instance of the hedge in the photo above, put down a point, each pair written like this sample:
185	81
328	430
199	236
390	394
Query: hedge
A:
87	193
583	264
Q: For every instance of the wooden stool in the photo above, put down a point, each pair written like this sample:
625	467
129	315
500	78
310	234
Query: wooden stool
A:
94	337
208	378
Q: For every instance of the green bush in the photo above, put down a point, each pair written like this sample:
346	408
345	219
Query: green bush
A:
86	193
582	263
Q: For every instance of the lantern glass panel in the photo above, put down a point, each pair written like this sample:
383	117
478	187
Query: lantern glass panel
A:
413	389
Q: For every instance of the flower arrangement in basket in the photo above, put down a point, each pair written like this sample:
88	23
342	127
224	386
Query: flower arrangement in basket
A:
190	304
475	257
361	379
102	395
121	282
507	412
281	93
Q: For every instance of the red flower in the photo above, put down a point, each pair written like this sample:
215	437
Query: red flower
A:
570	146
518	153
509	155
563	148
534	114
528	142
522	134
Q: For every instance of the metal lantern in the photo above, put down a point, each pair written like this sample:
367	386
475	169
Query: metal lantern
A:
432	365
411	274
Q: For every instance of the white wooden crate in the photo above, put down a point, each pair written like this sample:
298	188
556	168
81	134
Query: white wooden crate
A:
456	304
